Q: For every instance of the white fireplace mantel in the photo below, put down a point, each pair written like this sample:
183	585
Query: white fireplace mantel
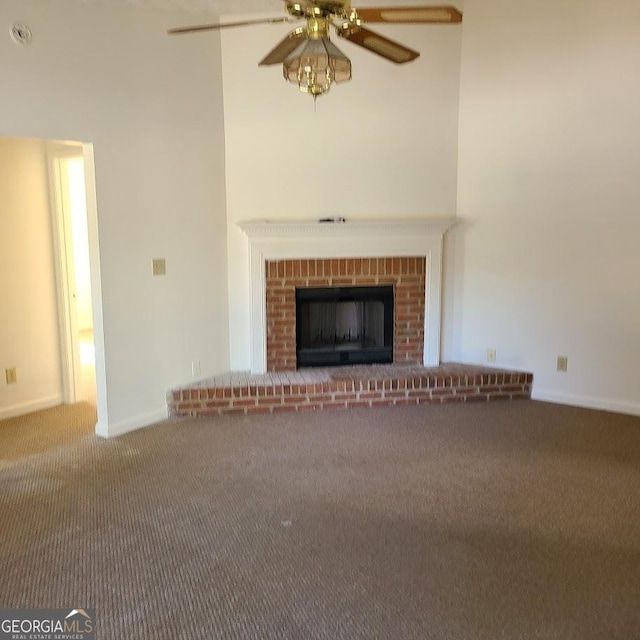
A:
304	239
277	229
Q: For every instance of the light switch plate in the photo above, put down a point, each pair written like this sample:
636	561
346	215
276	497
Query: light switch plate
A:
159	266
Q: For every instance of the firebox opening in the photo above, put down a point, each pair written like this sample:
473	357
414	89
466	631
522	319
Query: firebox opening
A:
344	325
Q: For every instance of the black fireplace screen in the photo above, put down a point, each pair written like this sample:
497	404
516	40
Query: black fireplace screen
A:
344	325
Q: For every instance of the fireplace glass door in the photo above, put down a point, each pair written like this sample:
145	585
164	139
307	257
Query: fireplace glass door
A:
344	325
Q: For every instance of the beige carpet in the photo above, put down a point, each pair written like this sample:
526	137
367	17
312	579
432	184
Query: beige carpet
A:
42	430
500	521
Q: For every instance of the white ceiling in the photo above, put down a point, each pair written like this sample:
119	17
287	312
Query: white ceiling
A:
238	7
215	7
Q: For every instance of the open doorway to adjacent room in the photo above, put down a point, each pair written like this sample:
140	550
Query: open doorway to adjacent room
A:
51	326
71	238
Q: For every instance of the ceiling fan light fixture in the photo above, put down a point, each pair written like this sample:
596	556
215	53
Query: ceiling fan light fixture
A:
315	65
309	58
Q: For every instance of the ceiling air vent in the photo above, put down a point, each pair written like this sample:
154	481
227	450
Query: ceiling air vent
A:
20	33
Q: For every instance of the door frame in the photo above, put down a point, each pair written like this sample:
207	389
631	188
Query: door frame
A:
69	347
65	272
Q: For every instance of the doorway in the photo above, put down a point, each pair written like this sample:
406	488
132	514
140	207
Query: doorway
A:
71	240
51	332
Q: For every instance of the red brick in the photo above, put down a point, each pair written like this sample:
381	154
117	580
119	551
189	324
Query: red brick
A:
318	282
258	409
354	404
467	390
512	387
489	388
368	395
249	402
186	406
321	398
218	403
448	391
344	396
406	402
334	405
395	394
382	402
480	397
270	401
208	413
419	393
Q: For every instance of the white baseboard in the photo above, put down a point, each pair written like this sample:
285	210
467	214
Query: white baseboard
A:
131	424
588	402
29	407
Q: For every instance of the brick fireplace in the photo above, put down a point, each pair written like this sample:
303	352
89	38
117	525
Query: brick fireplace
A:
406	253
406	274
287	255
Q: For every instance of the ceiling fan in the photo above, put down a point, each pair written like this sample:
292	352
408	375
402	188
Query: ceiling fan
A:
308	56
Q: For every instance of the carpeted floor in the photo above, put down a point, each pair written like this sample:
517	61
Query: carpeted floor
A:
39	431
509	520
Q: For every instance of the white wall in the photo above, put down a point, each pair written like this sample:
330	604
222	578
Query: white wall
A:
382	146
28	316
152	107
546	257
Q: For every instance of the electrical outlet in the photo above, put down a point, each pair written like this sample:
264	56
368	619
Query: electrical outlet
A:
491	355
195	368
562	363
159	266
11	375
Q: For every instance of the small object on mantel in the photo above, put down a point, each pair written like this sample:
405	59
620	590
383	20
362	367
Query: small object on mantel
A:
333	219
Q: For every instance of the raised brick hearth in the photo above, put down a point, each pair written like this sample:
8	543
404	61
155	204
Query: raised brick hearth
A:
345	387
405	274
408	256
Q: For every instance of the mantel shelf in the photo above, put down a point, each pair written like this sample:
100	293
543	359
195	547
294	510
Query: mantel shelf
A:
275	229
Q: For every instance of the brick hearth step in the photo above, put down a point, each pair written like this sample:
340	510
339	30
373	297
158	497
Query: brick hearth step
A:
345	387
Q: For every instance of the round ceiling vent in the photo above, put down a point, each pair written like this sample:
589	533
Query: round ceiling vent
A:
20	33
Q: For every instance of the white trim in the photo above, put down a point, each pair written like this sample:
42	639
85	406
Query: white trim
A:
588	402
131	424
304	228
64	273
58	150
359	239
96	283
29	407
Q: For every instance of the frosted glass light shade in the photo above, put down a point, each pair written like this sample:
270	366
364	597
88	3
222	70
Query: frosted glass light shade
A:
315	65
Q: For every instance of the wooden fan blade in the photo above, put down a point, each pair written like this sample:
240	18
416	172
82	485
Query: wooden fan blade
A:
376	43
212	27
433	15
282	50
